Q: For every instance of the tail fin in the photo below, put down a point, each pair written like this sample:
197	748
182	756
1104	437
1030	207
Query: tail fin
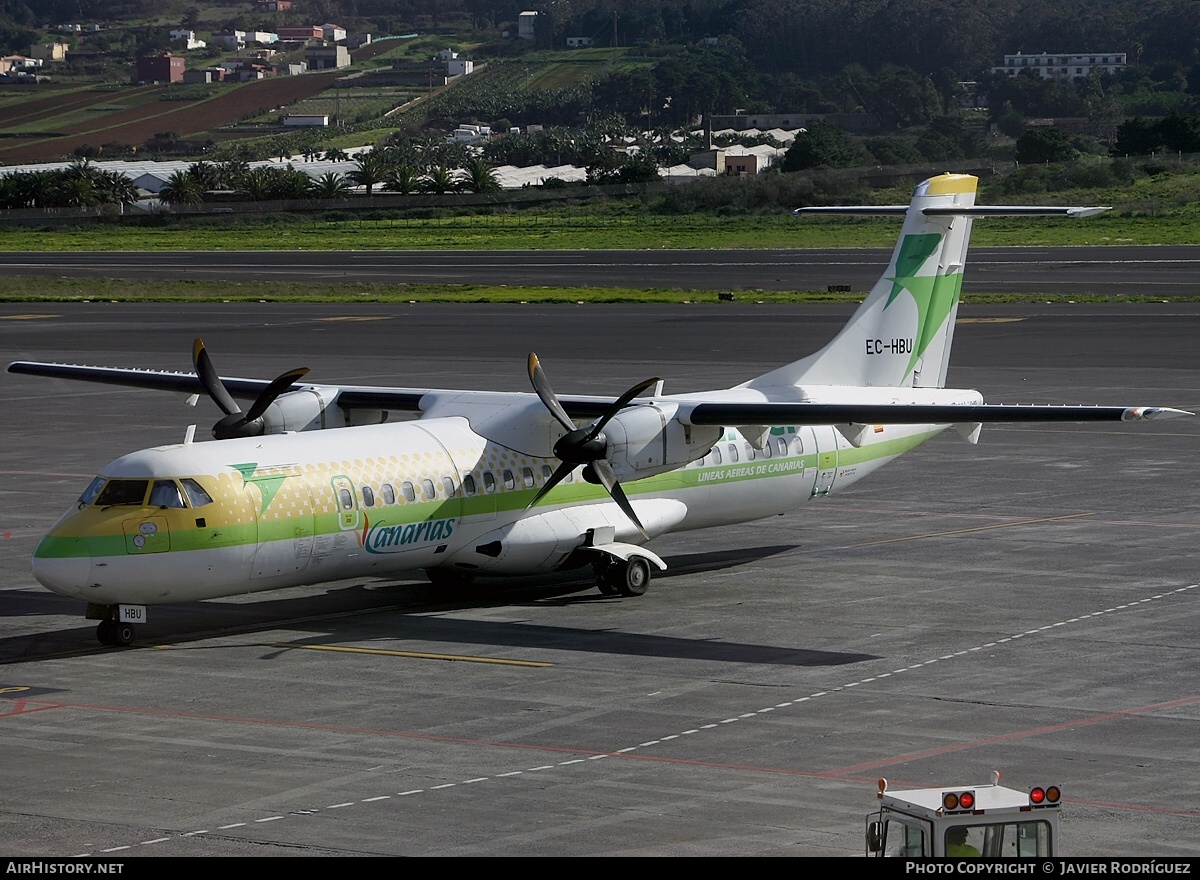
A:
901	334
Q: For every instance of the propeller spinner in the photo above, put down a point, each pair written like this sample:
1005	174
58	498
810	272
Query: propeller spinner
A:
237	423
587	445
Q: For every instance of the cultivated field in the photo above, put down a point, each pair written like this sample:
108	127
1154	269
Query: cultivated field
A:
64	120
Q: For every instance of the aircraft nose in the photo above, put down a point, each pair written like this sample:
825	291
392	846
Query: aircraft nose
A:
65	575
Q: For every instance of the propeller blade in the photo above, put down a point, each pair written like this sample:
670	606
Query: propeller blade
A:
211	380
608	479
557	477
620	404
278	385
542	386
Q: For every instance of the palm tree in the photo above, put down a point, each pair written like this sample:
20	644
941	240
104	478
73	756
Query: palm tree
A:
481	177
331	185
403	179
181	189
372	170
440	180
206	174
255	185
115	188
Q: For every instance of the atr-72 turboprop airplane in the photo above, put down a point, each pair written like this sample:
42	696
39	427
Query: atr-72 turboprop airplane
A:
313	482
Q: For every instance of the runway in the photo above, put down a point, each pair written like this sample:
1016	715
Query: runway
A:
1030	604
1114	271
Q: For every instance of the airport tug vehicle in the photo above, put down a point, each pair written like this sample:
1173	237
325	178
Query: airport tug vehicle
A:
963	821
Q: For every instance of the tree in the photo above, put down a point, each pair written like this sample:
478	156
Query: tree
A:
823	145
331	185
372	170
440	180
481	177
181	189
404	179
1044	144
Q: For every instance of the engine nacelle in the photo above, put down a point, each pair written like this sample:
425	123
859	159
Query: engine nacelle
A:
312	408
647	439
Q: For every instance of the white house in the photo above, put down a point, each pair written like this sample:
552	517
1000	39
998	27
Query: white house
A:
1064	66
187	39
525	25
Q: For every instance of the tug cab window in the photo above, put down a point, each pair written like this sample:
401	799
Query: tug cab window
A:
165	493
123	492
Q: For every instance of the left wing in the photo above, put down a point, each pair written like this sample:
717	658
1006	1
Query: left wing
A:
705	412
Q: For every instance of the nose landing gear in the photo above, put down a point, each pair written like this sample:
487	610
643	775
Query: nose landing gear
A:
115	634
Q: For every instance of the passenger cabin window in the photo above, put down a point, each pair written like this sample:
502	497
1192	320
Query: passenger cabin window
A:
164	493
410	494
716	455
489	482
766	450
527	477
345	499
389	494
448	487
749	452
368	496
509	480
733	453
123	492
427	488
196	495
781	445
547	472
468	484
796	444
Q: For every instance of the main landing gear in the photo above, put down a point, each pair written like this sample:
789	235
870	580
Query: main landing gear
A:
115	634
629	577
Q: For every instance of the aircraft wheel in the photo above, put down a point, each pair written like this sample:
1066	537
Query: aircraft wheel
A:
633	576
123	634
607	583
106	632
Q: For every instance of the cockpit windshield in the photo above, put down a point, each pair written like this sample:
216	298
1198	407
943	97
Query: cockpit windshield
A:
90	493
164	494
122	492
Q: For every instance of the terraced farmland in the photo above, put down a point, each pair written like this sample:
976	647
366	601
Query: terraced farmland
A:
58	123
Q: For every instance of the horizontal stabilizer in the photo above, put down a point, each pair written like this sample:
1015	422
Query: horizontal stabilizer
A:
960	211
